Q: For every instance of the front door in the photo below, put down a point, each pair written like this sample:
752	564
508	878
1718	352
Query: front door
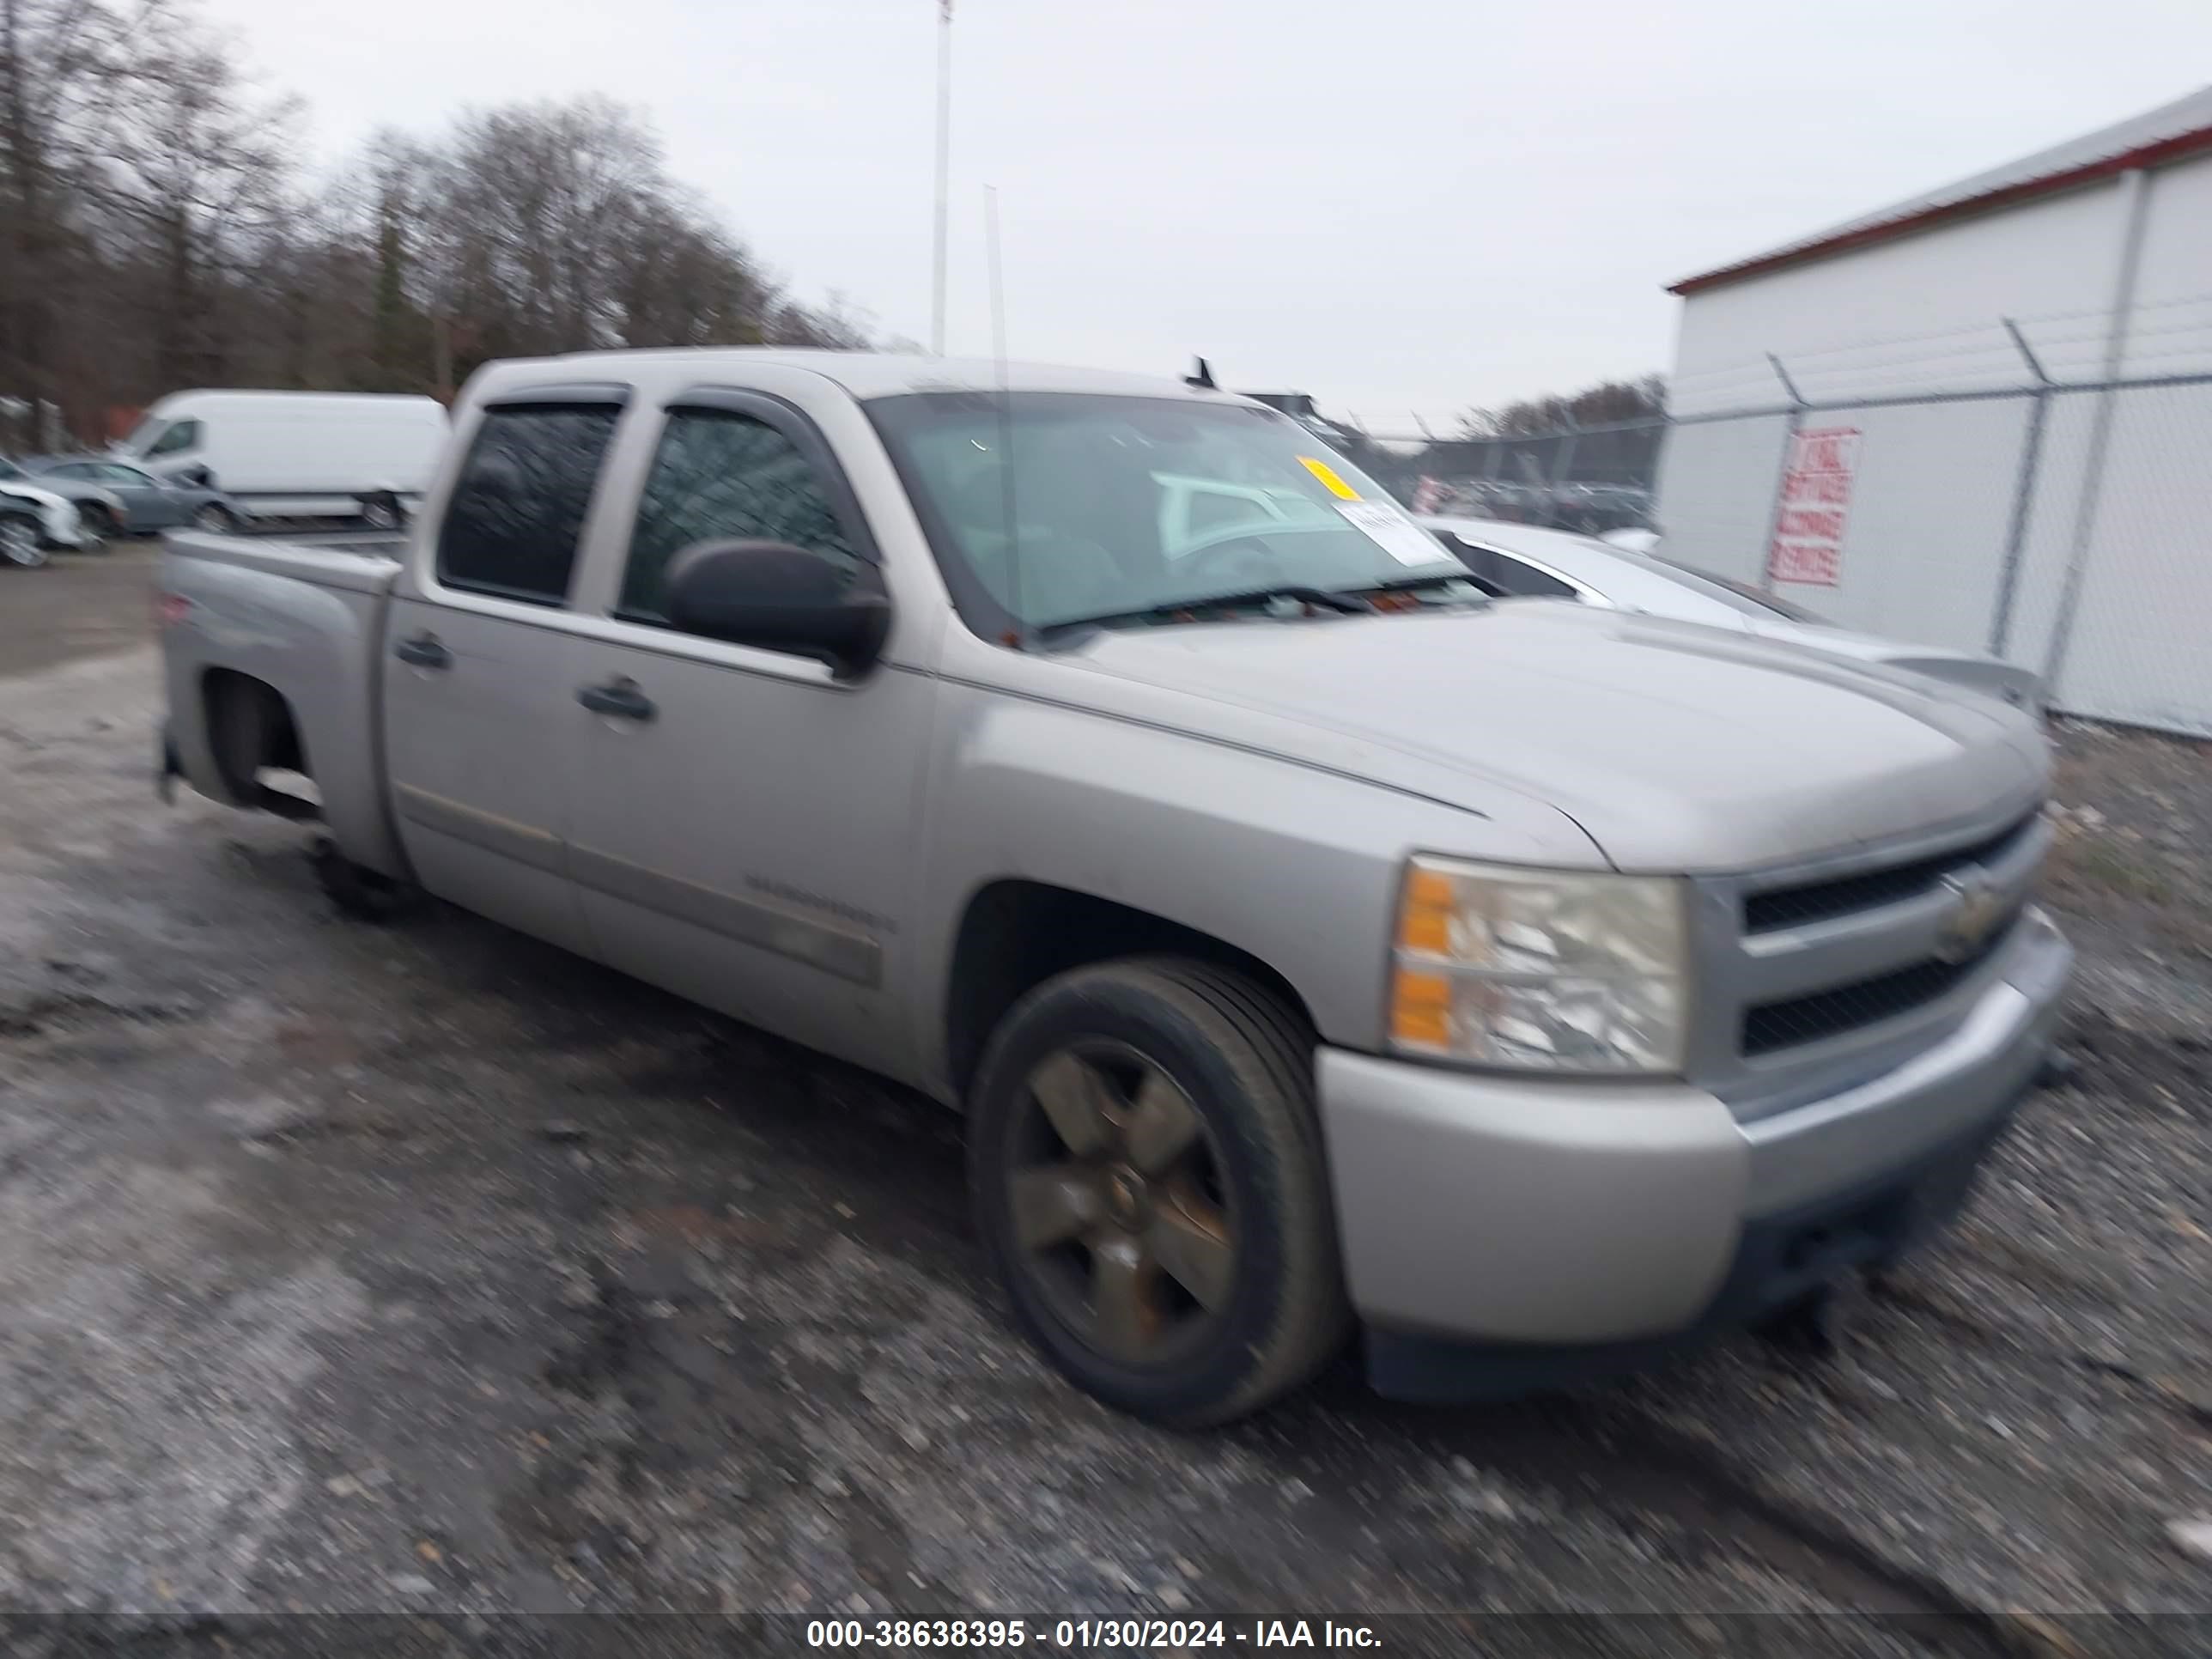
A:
149	504
741	822
480	674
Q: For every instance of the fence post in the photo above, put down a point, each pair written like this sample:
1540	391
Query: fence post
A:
2100	431
2023	493
1561	464
1781	473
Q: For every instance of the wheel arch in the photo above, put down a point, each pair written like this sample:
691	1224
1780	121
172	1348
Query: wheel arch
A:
250	725
1015	933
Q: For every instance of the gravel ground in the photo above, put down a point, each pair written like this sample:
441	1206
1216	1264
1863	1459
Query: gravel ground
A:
430	1269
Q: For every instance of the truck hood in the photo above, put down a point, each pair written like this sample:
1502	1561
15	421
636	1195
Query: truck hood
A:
1674	746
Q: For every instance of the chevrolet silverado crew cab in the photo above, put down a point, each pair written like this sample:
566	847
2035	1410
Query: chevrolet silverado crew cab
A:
1314	943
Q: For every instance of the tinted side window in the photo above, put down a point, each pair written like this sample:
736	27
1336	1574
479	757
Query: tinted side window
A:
1502	574
723	477
519	508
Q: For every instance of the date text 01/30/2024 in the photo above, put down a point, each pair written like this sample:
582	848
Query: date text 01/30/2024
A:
1087	1634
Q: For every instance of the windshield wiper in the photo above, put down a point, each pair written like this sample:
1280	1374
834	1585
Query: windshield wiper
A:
1346	603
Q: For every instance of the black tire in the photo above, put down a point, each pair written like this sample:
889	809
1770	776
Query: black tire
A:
362	893
383	513
102	526
1243	1061
217	518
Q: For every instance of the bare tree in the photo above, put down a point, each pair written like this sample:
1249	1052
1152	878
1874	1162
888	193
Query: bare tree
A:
155	232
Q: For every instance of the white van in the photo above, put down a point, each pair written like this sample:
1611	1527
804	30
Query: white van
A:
297	454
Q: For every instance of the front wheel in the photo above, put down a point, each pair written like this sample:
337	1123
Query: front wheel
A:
1147	1170
100	527
20	543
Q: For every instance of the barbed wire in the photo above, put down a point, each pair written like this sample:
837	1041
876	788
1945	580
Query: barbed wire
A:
1759	367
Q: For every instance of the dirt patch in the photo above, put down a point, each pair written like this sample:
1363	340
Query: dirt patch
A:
2133	812
77	605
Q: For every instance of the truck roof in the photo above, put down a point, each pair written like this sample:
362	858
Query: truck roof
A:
864	373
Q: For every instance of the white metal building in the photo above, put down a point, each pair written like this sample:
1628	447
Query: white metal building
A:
1992	486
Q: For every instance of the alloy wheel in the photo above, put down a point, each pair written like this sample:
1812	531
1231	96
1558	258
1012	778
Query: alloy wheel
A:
1121	1215
19	542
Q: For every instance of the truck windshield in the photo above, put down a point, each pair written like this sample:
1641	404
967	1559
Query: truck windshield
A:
1114	505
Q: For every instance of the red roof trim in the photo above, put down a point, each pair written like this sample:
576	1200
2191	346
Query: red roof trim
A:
2178	148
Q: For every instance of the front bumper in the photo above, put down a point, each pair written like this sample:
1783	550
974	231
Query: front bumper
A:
1501	1234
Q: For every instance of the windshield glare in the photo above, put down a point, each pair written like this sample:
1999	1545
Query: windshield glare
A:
1124	504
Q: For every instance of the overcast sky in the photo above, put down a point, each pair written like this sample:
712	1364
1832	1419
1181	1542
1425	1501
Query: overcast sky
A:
1399	205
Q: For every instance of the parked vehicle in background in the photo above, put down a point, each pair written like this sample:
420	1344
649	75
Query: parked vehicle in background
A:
141	502
34	520
1526	560
101	511
1312	941
295	454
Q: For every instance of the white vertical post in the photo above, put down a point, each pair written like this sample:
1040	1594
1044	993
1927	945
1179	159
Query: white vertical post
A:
2134	203
943	168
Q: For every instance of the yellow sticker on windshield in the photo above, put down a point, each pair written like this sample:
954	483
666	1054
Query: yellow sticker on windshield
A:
1329	481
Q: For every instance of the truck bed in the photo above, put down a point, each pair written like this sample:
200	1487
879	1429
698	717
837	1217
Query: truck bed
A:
274	644
364	561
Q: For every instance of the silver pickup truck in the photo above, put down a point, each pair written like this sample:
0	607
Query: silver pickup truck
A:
1314	943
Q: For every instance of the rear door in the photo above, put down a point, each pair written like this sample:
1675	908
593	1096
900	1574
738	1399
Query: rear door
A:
479	686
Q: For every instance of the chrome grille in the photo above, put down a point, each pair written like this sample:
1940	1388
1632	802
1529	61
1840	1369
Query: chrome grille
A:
1769	1026
1820	973
1791	907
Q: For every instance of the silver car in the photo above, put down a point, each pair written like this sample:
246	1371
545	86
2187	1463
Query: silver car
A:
1529	560
132	501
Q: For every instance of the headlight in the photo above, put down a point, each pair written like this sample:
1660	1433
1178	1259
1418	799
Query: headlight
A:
1541	969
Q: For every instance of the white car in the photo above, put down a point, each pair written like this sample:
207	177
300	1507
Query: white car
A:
33	520
1529	560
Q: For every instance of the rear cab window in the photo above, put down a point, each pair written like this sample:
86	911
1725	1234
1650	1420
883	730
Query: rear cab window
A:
513	526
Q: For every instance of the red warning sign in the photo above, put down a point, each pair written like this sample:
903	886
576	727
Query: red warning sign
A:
1816	496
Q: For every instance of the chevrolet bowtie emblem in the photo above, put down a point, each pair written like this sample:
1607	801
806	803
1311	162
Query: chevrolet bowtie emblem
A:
1977	909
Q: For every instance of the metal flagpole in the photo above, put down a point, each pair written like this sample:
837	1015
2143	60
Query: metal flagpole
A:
943	163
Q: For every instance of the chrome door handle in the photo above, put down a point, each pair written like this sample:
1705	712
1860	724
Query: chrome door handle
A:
620	698
423	651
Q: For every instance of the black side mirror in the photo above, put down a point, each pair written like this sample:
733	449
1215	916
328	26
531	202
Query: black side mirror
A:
780	597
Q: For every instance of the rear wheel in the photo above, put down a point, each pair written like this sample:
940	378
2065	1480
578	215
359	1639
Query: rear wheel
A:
364	894
1148	1175
217	518
20	542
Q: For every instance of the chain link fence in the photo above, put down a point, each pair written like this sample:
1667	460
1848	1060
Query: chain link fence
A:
2058	520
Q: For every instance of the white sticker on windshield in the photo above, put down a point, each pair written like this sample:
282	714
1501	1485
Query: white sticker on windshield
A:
1390	529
